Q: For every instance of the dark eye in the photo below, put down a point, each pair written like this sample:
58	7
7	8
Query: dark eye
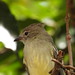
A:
26	33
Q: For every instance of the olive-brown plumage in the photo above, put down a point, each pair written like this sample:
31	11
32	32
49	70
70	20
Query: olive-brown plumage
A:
39	49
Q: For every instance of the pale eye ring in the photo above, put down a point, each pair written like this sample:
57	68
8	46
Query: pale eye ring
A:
26	33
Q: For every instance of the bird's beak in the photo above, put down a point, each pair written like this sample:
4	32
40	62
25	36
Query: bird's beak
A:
18	38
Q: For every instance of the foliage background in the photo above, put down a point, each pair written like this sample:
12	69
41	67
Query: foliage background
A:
17	14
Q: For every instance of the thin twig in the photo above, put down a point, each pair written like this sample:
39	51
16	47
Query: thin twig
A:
4	50
68	37
69	67
62	65
56	61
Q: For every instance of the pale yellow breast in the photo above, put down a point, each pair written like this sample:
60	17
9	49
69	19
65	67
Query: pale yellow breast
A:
38	57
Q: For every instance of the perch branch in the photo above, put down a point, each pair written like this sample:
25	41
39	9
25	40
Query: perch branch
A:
58	65
68	36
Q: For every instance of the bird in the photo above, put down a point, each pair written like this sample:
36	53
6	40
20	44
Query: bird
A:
39	49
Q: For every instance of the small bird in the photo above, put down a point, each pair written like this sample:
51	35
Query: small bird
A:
39	49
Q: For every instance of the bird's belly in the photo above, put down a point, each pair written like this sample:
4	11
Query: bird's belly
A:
39	64
38	58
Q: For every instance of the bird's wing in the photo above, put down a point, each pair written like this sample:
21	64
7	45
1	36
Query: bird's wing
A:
55	50
60	71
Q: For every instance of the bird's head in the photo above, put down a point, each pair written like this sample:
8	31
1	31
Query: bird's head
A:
30	32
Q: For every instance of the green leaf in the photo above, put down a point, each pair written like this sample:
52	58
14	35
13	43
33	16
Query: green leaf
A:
1	45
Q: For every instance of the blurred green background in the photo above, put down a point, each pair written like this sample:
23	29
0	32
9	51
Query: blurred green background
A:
17	14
